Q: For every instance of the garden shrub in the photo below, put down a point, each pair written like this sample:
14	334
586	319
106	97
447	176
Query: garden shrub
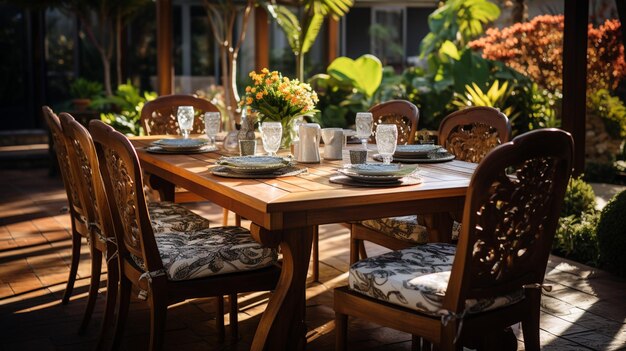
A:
576	238
536	47
612	111
612	235
127	103
579	198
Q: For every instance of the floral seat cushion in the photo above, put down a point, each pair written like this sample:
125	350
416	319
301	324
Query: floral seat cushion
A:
407	228
416	278
211	251
168	216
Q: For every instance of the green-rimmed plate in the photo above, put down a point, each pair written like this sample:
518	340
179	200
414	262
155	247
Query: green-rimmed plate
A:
181	144
415	150
377	169
254	164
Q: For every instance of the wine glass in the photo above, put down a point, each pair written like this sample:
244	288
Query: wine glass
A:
386	139
364	123
185	120
271	134
212	121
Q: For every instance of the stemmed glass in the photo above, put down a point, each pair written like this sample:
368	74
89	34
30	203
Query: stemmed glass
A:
212	122
364	123
271	134
185	120
386	139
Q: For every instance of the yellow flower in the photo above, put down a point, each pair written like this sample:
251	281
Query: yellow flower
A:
248	89
253	90
265	71
248	100
259	95
268	81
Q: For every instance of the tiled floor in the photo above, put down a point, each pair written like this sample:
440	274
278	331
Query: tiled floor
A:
585	311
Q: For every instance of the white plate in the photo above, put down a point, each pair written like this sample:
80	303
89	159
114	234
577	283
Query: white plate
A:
181	144
377	169
415	150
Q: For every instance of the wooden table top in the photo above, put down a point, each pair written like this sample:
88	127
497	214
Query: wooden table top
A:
309	198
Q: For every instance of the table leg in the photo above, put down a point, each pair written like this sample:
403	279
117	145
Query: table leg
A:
165	188
439	227
282	326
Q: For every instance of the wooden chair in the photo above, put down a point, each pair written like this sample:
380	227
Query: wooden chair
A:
158	117
399	112
469	134
167	265
464	295
78	214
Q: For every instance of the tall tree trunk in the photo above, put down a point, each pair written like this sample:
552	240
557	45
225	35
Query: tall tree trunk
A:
106	65
118	49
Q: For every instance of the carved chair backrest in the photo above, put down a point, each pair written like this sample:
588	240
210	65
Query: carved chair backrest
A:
159	115
510	217
77	211
471	133
85	168
399	112
123	183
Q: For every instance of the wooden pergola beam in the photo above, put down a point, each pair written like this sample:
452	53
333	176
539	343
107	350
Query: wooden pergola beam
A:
165	67
261	39
575	76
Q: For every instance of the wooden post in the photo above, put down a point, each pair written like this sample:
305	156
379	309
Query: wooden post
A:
332	42
261	39
165	69
575	76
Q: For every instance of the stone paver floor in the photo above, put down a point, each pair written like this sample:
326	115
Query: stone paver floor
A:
586	309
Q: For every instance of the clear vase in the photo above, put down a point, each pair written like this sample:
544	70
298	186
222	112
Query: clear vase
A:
290	131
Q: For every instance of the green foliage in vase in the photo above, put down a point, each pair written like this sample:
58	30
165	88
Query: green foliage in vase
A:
82	88
122	110
612	235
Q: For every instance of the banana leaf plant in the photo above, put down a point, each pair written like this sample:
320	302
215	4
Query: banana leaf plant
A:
302	27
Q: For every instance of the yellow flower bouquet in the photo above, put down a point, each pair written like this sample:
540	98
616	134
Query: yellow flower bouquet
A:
278	98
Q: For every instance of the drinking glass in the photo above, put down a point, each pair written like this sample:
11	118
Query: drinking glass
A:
185	120
212	121
271	134
386	139
364	123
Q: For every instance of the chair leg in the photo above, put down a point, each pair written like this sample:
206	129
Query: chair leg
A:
237	220
69	287
158	315
224	217
122	312
109	310
219	318
416	343
354	246
362	251
234	318
530	324
341	331
96	270
315	255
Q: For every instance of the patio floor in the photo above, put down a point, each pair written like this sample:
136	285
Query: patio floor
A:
586	309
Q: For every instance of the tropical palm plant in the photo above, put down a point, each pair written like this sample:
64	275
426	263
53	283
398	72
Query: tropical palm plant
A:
302	30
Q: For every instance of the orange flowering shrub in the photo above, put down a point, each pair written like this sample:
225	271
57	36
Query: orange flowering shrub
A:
535	48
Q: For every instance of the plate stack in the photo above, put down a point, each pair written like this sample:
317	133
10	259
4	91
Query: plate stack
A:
377	175
419	153
255	167
180	146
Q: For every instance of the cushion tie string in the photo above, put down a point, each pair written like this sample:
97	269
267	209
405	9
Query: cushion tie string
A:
449	316
143	294
93	226
545	287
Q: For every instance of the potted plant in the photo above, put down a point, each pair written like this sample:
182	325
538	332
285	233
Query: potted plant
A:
82	91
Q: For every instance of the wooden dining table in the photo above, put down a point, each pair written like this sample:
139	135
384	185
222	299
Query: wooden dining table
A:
285	212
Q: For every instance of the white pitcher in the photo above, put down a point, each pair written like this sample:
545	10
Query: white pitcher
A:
308	147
